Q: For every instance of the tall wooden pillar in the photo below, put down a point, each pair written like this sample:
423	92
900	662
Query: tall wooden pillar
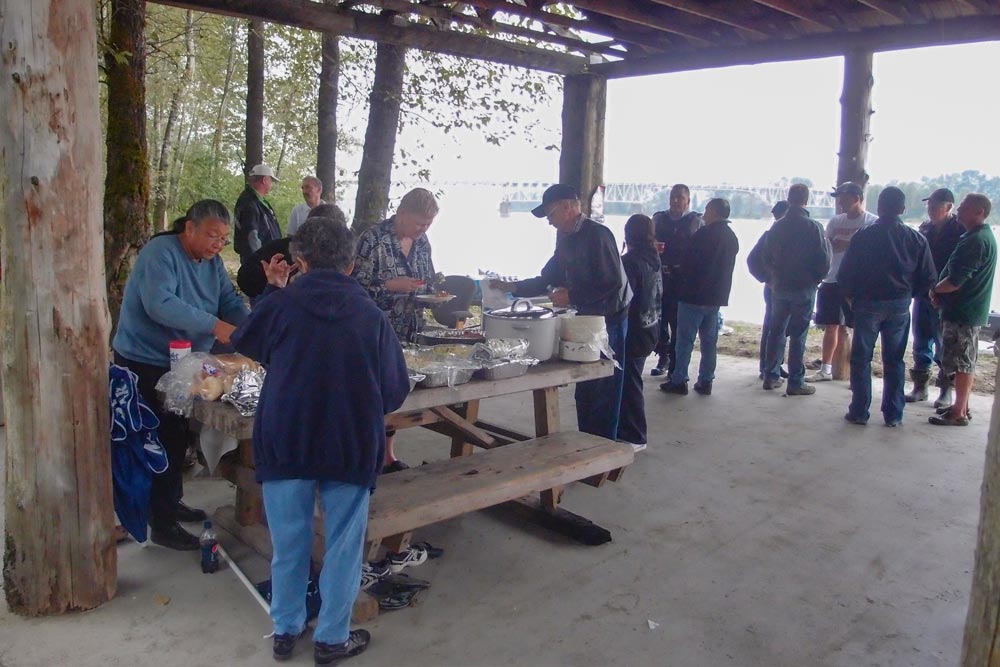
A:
581	162
855	120
59	554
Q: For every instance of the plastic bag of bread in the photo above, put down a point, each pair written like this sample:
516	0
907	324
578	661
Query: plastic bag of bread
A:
197	375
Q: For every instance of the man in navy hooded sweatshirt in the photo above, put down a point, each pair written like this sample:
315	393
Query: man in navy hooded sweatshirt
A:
334	370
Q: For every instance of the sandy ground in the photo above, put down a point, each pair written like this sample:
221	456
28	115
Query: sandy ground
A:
756	530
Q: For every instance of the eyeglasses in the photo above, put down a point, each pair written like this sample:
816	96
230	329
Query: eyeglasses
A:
217	239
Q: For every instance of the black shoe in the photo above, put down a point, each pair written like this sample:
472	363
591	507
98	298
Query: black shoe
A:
327	654
395	466
703	388
669	387
185	514
659	369
172	536
284	645
782	372
855	420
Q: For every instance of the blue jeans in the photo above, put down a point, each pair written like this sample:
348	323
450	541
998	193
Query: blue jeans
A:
790	315
289	505
765	327
926	335
891	319
703	321
599	402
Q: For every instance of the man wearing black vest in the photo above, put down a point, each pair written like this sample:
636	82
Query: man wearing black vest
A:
674	229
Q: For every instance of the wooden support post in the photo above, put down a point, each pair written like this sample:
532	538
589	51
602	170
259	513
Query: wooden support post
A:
581	161
982	623
59	547
855	119
546	411
460	446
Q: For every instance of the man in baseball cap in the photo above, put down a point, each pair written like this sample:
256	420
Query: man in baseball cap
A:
552	195
256	223
942	231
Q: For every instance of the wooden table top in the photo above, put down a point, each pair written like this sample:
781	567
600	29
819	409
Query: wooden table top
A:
224	417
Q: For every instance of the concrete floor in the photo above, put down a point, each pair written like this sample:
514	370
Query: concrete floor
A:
755	530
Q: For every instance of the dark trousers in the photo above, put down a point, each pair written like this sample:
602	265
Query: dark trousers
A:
598	402
632	416
668	323
926	335
891	320
168	486
765	327
790	317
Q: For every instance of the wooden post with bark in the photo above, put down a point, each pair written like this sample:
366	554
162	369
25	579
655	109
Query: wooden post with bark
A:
855	119
59	552
255	95
126	185
581	161
981	644
375	173
326	110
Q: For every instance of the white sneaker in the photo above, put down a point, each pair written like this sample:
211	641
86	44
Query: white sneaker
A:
636	448
820	376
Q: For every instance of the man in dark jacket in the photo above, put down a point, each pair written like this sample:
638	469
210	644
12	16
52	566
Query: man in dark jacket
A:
758	271
942	231
256	224
334	370
708	279
586	273
885	265
796	256
674	229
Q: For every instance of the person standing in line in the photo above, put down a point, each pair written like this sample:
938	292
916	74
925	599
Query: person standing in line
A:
796	255
942	231
674	229
312	193
642	266
758	271
963	295
708	279
256	223
885	265
833	313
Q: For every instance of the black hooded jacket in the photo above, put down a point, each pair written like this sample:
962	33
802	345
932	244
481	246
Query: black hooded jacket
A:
642	267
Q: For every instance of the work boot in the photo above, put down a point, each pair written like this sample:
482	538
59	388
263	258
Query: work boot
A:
920	380
662	362
947	395
327	654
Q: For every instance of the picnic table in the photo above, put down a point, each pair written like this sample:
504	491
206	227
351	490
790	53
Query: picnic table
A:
519	464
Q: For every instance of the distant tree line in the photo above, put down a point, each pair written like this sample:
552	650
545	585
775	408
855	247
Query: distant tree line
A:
959	183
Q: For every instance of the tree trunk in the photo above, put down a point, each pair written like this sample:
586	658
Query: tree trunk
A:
59	553
581	160
227	84
255	95
126	186
326	148
855	119
375	174
161	191
981	644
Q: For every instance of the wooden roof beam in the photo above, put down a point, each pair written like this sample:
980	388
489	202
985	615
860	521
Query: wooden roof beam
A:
894	9
793	8
630	13
963	30
315	16
446	15
707	12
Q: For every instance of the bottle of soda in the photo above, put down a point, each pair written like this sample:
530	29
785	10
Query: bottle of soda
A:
209	549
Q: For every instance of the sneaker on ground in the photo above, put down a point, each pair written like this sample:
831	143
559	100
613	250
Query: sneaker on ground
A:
636	447
726	330
703	388
327	654
773	384
814	365
414	555
679	388
284	645
820	376
801	390
372	573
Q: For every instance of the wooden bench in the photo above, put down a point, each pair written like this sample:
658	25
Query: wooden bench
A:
423	495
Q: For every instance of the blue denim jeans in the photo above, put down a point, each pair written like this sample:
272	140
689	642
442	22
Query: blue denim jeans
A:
765	327
289	505
599	402
790	315
891	320
703	321
926	334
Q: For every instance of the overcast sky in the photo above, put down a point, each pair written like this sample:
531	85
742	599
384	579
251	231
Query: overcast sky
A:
755	124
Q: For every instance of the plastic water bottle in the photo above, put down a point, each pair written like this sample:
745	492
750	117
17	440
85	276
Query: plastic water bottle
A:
209	549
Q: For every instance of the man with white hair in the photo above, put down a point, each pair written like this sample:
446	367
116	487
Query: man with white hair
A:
312	191
256	223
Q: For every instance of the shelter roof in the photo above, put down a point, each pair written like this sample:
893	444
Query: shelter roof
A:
618	38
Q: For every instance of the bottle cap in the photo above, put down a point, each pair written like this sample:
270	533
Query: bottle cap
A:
180	344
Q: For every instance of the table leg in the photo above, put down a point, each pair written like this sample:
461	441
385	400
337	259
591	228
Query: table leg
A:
459	445
546	411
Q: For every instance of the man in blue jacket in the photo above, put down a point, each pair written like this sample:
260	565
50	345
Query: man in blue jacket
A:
334	370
